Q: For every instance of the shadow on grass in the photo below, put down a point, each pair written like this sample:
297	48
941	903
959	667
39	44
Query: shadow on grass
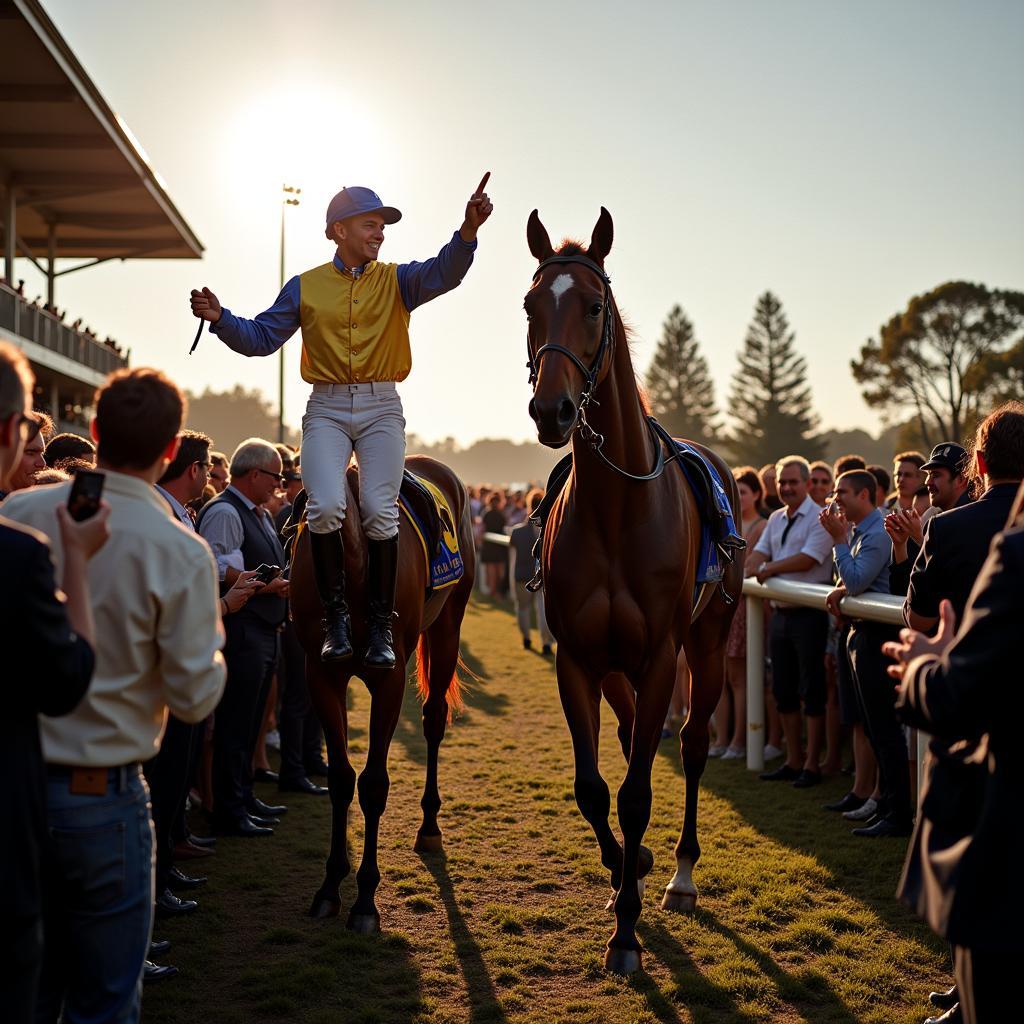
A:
483	999
811	995
794	818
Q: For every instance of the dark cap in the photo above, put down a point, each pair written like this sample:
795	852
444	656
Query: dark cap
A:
352	201
948	455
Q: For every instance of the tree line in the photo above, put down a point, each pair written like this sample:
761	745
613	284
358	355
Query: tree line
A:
936	367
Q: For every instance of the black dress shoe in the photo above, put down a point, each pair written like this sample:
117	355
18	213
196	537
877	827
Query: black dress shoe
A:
243	827
850	802
159	948
258	807
806	779
265	775
781	774
205	842
179	880
318	769
168	905
154	972
883	829
944	1000
258	819
302	785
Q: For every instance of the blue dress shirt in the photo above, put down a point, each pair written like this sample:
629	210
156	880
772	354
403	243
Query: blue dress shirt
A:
863	563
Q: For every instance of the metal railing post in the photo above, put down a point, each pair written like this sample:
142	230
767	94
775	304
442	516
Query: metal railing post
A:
755	684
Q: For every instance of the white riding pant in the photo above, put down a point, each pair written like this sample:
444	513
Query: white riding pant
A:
366	419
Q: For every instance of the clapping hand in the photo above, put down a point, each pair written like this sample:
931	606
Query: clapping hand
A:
913	644
478	209
835	522
909	522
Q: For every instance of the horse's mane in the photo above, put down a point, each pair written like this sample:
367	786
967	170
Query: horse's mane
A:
573	247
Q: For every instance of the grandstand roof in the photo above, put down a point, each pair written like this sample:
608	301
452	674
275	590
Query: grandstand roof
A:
71	161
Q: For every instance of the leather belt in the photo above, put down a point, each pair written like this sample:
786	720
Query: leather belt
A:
368	387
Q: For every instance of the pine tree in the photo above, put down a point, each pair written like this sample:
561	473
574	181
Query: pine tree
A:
679	386
770	398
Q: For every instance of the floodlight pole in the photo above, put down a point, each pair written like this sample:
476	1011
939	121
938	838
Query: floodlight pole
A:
289	197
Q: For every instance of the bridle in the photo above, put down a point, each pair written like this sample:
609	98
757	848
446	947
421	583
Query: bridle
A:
590	373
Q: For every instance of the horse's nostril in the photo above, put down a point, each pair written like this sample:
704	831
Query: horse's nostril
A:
566	412
532	409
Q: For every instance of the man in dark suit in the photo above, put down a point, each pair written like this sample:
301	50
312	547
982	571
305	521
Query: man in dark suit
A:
243	537
956	544
48	665
962	867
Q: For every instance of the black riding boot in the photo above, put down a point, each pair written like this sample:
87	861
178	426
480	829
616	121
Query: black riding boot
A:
329	568
383	573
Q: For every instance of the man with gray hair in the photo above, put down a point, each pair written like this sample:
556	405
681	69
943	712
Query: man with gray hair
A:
243	537
795	546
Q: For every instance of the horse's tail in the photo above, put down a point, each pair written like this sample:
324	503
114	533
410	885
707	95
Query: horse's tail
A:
455	693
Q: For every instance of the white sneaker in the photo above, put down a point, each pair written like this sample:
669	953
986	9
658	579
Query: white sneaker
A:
865	811
716	751
771	752
733	753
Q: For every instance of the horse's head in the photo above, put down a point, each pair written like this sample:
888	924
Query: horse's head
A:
570	316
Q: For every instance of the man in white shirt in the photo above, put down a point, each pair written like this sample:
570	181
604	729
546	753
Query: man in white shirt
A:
795	546
153	588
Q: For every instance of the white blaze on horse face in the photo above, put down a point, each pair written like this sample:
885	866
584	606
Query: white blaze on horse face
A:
560	286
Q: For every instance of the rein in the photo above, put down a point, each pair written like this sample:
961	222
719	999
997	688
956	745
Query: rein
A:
590	374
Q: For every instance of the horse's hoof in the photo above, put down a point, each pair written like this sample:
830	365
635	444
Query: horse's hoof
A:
622	961
364	924
323	907
680	902
428	844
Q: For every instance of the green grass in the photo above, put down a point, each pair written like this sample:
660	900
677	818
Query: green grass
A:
796	920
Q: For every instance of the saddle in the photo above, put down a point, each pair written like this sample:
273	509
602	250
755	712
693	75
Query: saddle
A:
719	539
432	521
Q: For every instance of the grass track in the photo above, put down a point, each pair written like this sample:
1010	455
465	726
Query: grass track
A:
797	920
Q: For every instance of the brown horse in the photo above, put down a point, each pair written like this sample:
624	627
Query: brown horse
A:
428	624
619	562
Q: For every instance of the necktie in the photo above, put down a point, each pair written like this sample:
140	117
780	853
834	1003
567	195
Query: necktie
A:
789	526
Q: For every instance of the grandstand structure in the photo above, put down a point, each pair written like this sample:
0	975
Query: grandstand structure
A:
76	190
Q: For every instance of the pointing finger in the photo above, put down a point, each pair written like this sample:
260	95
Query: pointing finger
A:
483	184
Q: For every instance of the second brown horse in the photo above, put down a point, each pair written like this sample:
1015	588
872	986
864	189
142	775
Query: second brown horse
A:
619	562
427	622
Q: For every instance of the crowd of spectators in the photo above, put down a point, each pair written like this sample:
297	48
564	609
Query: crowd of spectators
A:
145	684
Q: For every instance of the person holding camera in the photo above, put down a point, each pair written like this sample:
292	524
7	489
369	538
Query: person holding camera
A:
243	538
153	589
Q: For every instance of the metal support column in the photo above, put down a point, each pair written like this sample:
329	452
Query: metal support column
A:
51	267
10	235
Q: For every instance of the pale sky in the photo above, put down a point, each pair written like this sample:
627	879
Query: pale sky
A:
846	156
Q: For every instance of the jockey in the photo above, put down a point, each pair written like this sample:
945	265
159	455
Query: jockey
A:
354	317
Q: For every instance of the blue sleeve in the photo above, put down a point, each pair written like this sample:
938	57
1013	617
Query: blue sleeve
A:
421	282
858	573
268	332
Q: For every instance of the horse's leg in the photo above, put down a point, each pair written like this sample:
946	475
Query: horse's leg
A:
581	702
634	806
618	691
707	658
327	691
437	657
374	784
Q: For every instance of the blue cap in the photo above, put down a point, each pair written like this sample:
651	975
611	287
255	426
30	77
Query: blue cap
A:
352	201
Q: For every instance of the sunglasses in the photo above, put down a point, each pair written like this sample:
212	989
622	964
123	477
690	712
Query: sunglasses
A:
275	476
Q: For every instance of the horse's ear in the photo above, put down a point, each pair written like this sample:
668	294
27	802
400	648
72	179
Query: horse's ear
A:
601	239
537	237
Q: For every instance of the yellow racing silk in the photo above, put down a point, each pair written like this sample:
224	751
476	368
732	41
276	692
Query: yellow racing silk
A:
353	329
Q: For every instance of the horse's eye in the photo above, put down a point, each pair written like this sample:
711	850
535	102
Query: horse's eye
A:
595	310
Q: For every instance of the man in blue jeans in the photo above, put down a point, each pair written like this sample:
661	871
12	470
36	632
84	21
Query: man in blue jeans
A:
153	590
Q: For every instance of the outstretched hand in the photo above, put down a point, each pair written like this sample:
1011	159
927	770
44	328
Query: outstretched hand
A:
205	305
478	209
913	644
